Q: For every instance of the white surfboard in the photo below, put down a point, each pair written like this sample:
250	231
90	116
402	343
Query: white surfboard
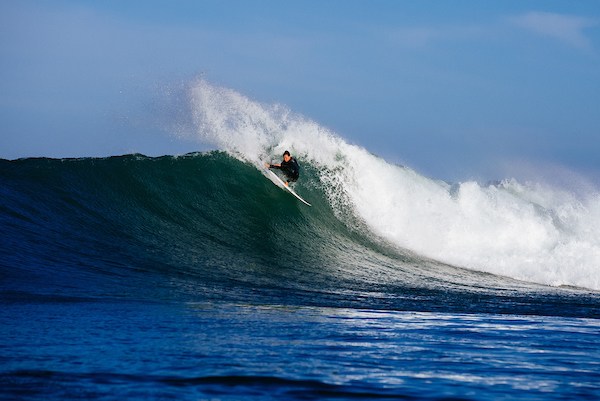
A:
279	182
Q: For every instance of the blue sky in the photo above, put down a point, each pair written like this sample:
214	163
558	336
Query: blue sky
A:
454	89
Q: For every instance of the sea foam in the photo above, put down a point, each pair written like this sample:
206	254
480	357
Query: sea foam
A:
527	231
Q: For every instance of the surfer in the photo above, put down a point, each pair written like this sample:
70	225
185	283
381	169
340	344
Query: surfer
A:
289	166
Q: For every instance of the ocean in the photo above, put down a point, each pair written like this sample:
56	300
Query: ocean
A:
195	277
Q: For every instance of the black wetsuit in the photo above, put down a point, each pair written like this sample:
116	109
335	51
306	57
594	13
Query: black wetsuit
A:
291	169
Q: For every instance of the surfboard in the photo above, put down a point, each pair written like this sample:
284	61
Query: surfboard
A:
279	182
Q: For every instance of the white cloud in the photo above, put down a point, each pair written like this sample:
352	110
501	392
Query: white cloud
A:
415	37
423	36
566	28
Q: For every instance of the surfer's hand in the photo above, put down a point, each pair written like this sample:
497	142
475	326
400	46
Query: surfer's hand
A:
268	165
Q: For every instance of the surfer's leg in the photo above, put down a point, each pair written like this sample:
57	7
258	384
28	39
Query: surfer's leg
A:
293	178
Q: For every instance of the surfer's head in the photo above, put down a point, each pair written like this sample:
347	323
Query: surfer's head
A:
286	156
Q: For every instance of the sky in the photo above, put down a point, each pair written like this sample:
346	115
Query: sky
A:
456	90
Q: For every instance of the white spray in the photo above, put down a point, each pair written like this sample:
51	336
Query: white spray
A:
528	232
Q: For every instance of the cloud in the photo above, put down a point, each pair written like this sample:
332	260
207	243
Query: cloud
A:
415	37
423	36
568	29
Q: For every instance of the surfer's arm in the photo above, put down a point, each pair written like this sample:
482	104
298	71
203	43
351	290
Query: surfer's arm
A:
277	166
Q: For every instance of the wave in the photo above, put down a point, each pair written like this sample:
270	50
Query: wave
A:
527	231
210	227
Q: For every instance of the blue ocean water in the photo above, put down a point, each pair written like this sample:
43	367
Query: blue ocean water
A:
194	277
151	278
153	350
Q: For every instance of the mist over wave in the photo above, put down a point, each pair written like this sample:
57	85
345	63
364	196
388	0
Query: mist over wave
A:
527	231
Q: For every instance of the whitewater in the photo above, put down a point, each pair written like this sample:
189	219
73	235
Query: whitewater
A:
527	231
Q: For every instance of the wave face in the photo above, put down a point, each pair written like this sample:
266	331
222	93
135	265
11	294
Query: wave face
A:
209	226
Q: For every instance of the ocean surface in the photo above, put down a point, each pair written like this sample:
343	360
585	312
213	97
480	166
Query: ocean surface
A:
194	277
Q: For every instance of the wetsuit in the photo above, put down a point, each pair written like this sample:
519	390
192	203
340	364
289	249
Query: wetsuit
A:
291	169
